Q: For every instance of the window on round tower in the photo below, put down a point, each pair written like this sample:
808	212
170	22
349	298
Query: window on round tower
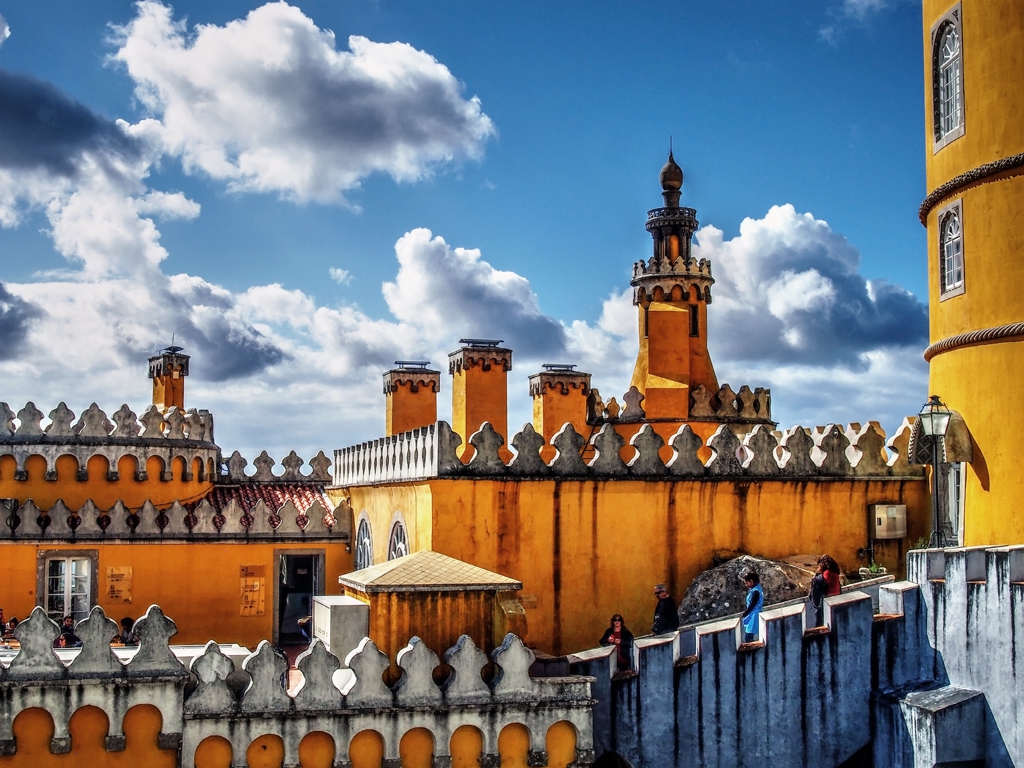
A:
951	251
947	79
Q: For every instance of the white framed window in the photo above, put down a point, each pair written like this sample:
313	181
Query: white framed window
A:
957	484
951	250
398	543
947	78
364	544
69	587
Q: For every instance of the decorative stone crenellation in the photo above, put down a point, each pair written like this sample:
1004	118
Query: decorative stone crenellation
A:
829	451
660	272
185	435
329	698
319	466
25	522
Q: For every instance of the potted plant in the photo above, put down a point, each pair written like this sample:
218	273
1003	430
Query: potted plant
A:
872	571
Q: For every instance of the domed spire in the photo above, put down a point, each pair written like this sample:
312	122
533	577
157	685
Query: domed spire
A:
671	181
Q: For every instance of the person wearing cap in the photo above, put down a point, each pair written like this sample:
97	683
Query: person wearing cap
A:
666	618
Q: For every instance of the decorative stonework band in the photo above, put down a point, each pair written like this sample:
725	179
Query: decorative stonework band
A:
1010	332
972	176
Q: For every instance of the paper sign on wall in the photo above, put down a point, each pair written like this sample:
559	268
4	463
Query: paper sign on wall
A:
254	589
119	584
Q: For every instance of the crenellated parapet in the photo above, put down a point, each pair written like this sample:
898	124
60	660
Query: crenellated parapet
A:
319	469
830	451
662	273
176	434
484	356
278	513
726	406
342	697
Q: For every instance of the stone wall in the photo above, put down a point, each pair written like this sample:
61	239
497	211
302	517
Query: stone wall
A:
341	700
827	451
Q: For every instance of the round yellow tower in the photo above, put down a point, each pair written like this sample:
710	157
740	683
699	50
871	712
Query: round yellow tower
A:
974	212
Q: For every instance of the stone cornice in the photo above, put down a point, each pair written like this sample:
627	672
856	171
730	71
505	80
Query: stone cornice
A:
1010	332
562	381
414	378
1011	164
485	357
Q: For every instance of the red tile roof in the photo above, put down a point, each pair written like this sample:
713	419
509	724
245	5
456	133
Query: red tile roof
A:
274	495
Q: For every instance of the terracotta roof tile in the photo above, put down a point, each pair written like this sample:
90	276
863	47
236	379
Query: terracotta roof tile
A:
274	495
426	571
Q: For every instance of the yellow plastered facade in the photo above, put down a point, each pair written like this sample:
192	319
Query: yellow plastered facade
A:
979	380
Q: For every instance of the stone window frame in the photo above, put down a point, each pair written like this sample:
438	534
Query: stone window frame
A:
951	18
954	208
364	518
44	555
398	526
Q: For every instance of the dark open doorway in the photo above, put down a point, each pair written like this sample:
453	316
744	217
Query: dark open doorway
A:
298	580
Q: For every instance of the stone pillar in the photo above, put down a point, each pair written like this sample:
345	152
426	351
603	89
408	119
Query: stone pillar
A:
168	371
410	390
479	388
559	395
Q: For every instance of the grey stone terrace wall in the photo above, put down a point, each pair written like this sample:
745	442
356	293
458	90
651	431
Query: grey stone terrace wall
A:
827	451
340	702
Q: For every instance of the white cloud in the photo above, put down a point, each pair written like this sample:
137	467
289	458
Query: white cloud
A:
267	103
861	8
5	30
340	276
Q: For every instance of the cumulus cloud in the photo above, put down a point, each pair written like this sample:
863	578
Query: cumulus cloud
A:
15	316
340	276
5	30
789	290
440	287
269	104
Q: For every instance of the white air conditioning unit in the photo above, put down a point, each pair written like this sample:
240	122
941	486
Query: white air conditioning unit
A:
890	521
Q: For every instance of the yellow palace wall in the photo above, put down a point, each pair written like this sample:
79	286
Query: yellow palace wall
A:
586	549
982	381
103	492
198	585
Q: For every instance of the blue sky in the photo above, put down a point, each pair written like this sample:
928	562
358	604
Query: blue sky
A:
275	196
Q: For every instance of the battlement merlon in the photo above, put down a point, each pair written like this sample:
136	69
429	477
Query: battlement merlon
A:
561	381
471	356
414	378
665	273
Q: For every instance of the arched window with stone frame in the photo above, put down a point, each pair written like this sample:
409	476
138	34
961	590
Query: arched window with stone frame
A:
948	78
951	250
364	543
398	541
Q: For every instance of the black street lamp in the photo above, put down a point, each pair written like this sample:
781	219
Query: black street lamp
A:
934	419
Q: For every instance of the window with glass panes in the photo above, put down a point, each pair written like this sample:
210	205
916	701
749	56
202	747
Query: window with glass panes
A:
68	585
951	252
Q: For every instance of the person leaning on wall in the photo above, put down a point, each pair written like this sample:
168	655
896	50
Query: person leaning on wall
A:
824	583
622	639
666	617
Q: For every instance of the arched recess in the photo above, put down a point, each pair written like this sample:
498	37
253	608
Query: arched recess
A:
677	293
417	748
316	750
466	747
213	752
366	750
266	751
66	465
33	729
514	746
88	727
179	467
141	726
155	467
560	743
98	467
128	467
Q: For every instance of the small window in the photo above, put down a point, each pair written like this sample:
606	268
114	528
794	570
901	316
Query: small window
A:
951	251
398	545
947	78
694	320
68	587
364	545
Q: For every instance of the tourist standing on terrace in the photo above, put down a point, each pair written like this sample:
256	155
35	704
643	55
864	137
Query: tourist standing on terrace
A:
622	639
755	602
666	617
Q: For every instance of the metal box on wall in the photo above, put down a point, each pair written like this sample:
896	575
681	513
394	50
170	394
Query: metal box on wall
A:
890	521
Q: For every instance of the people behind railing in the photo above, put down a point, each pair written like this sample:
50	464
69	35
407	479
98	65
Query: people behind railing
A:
618	635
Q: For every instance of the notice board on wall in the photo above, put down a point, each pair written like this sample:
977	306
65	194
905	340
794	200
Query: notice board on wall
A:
254	590
119	584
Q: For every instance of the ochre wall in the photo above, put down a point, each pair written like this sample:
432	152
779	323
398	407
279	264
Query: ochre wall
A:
980	382
380	505
103	492
406	410
479	396
586	549
198	585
